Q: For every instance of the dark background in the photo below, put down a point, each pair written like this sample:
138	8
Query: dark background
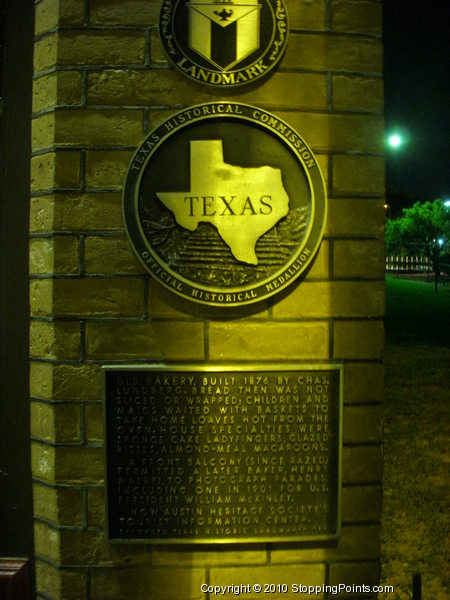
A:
16	45
416	68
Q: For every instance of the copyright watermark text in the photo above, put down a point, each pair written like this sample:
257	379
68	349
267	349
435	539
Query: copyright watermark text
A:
293	588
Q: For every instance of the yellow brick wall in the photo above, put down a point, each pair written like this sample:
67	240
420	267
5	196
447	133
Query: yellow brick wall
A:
102	82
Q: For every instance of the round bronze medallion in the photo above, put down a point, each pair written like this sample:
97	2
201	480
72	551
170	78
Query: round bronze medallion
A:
224	42
224	203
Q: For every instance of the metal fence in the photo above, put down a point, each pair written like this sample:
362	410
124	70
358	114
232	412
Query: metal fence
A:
410	264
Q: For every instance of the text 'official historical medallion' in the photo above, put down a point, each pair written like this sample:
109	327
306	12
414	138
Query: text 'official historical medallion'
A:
224	204
224	42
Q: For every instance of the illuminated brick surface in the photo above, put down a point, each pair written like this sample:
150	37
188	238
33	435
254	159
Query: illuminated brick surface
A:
102	81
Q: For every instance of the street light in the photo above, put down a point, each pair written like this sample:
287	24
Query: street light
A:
395	140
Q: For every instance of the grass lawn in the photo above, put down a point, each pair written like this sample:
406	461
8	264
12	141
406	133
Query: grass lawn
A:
416	515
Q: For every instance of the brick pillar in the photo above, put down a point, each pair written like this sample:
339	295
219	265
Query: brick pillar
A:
102	82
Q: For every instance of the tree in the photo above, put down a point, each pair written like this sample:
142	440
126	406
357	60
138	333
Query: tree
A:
420	226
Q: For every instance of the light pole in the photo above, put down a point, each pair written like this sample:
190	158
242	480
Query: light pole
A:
436	251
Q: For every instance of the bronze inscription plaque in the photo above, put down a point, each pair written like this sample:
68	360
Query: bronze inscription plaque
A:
224	204
235	454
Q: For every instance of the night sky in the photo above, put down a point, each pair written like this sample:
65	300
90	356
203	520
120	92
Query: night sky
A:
416	71
416	98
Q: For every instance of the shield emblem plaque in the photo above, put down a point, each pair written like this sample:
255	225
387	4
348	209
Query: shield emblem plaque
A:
222	32
224	42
